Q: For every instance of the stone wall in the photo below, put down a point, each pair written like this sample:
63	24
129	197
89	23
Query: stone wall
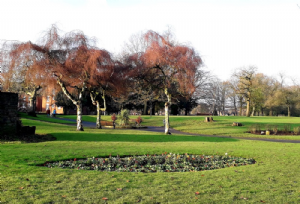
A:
8	109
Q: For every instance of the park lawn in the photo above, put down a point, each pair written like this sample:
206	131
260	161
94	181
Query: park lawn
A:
221	126
44	117
273	179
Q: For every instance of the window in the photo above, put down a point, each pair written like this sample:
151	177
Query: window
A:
53	105
47	106
59	107
48	98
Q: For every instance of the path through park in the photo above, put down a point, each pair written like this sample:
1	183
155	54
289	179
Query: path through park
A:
173	131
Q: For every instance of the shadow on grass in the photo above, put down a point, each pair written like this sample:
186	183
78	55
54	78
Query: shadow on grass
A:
137	138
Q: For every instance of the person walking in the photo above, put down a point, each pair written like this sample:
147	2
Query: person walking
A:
54	113
48	112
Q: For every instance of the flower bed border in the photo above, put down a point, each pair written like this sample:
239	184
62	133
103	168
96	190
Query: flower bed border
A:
153	163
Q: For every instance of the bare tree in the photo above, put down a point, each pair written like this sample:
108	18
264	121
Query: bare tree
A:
245	78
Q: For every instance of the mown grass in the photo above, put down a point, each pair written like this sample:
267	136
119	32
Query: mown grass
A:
221	126
44	117
273	179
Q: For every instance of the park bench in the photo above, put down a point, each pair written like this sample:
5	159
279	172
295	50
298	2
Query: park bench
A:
108	123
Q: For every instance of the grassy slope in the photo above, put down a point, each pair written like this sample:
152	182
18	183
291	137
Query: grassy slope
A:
274	179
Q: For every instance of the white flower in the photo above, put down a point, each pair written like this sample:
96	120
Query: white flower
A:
226	154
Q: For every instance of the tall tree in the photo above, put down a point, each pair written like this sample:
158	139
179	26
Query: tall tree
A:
68	59
287	96
21	71
168	66
141	92
106	79
245	77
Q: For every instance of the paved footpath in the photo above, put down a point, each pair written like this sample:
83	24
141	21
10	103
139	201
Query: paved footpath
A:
173	131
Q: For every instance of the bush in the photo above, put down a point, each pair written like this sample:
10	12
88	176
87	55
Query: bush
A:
124	117
254	128
297	130
269	127
286	128
275	129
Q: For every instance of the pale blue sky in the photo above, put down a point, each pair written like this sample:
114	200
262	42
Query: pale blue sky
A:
227	33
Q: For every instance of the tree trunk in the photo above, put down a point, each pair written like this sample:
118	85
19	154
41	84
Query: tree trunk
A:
289	111
32	100
98	122
93	96
253	111
79	117
241	106
145	108
167	104
248	107
78	102
151	107
271	112
235	108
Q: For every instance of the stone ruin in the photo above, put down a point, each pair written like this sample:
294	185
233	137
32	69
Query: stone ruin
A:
9	121
8	110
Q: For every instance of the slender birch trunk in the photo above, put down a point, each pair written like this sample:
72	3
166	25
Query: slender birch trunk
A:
98	122
248	105
253	111
79	117
167	121
104	102
78	102
93	96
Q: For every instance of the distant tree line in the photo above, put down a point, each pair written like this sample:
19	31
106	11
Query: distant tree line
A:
153	71
248	93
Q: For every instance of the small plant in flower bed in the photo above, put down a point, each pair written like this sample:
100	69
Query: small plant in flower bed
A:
114	117
139	120
153	163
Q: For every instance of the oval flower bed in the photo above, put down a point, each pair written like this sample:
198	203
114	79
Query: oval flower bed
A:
153	163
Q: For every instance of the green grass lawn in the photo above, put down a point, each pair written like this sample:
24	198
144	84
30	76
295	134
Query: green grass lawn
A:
273	179
222	125
44	117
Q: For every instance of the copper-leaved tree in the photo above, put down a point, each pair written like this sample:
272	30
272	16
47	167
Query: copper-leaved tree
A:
170	67
105	80
20	62
68	60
